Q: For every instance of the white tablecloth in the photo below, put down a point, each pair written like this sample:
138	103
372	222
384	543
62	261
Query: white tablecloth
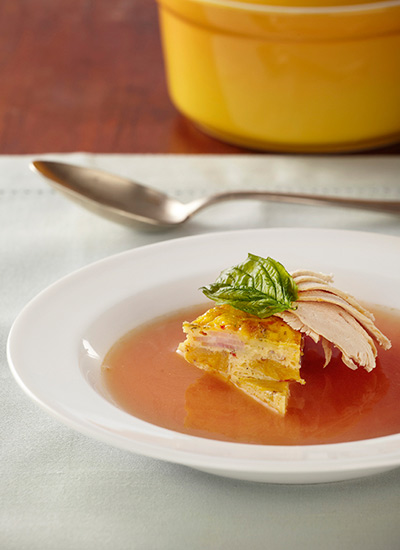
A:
60	490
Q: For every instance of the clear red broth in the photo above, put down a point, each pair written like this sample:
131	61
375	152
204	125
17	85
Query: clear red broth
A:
148	379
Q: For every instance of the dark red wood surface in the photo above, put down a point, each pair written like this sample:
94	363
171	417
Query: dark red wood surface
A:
88	75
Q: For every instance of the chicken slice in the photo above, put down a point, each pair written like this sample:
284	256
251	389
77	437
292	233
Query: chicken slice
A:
326	296
337	326
307	286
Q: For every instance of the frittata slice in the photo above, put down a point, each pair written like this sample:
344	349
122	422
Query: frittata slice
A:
259	356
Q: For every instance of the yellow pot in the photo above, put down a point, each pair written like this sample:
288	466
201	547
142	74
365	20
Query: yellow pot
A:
285	77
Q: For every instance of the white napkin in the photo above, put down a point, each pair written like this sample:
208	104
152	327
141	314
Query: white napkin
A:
61	490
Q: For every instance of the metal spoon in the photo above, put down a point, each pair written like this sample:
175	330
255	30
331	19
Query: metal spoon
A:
126	201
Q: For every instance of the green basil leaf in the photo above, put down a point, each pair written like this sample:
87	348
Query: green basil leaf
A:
259	286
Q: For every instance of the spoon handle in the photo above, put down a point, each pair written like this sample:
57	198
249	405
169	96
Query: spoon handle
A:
388	206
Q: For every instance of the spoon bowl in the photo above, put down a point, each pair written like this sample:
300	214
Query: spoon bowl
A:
126	201
112	196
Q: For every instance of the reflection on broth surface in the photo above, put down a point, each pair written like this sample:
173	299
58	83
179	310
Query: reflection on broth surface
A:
148	379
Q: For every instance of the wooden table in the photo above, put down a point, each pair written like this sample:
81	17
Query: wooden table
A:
88	75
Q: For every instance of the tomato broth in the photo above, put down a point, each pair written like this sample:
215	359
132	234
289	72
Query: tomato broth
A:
148	379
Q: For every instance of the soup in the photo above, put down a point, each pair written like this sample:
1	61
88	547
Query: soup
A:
148	379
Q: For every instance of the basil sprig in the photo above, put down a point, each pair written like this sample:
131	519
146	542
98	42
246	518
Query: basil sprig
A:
259	286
